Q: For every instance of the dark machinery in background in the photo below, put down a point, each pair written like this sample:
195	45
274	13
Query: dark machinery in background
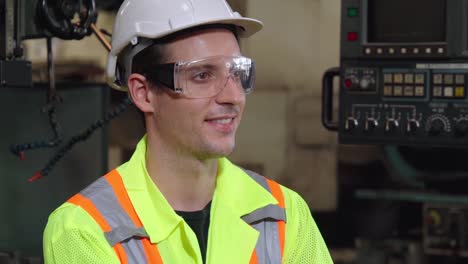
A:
403	80
31	19
65	19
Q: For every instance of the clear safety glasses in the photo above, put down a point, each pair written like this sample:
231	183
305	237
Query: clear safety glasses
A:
205	77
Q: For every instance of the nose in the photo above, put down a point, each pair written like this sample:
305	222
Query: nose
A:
231	93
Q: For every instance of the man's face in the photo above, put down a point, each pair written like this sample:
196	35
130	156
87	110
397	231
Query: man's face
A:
203	127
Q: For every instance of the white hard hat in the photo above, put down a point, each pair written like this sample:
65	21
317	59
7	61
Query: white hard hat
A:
153	19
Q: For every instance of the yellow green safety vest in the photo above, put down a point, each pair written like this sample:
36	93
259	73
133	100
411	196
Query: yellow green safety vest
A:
108	203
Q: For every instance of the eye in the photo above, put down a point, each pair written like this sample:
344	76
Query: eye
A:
202	76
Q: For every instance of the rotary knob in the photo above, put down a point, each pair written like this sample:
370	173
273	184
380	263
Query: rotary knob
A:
371	124
461	128
412	126
391	125
436	127
351	123
366	82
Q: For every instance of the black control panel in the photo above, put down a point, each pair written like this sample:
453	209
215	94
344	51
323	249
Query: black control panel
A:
414	103
445	230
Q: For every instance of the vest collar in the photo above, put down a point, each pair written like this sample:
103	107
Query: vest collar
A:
236	195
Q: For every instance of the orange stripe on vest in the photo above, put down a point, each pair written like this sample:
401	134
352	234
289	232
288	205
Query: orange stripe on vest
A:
115	180
278	194
88	206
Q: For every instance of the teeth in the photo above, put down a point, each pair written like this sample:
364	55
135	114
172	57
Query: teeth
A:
223	121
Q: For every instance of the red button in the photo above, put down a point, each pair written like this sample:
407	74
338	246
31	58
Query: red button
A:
348	83
352	36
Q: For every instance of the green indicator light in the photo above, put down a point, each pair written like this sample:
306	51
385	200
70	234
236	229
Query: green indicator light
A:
352	12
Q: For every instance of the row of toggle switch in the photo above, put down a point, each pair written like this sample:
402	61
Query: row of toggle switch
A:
435	127
391	124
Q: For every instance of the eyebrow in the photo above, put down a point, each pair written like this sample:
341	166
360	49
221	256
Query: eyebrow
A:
202	67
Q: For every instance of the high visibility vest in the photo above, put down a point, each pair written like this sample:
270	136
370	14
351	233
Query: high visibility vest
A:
107	202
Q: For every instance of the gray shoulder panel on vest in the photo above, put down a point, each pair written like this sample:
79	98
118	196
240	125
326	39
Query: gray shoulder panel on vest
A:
122	233
258	178
269	212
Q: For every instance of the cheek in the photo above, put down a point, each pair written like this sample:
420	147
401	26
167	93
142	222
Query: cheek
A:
182	115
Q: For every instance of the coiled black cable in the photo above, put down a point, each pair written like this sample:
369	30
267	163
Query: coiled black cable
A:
53	99
19	149
82	136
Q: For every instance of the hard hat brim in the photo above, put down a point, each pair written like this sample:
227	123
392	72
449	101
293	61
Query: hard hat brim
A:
247	26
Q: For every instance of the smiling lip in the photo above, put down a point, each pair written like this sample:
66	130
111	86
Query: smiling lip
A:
223	124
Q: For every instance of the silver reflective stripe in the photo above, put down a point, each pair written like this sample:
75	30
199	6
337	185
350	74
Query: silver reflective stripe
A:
122	233
259	179
264	220
268	245
269	212
123	230
135	251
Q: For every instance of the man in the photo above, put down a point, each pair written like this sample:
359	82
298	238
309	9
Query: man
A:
179	200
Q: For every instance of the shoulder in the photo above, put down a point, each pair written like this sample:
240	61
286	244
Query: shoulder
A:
69	218
72	236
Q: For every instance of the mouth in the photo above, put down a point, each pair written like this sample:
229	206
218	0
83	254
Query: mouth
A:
224	124
222	121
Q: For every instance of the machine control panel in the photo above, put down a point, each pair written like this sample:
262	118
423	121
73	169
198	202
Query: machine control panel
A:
413	104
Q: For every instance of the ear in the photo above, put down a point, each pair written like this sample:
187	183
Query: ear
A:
140	92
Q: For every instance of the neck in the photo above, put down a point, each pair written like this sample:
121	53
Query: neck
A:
186	182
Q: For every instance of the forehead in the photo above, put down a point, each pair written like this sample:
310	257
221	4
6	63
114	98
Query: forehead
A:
201	44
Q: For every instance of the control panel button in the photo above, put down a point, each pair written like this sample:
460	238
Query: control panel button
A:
388	90
448	78
460	92
409	78
448	91
351	81
388	78
408	91
437	91
419	78
460	79
437	78
352	36
398	90
353	11
419	91
398	78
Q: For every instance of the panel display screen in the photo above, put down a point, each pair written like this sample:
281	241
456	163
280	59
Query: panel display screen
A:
406	21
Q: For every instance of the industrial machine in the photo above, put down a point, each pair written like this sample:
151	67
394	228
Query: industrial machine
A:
73	113
403	80
403	73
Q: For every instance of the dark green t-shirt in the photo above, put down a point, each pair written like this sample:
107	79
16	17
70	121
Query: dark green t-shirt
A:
199	221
